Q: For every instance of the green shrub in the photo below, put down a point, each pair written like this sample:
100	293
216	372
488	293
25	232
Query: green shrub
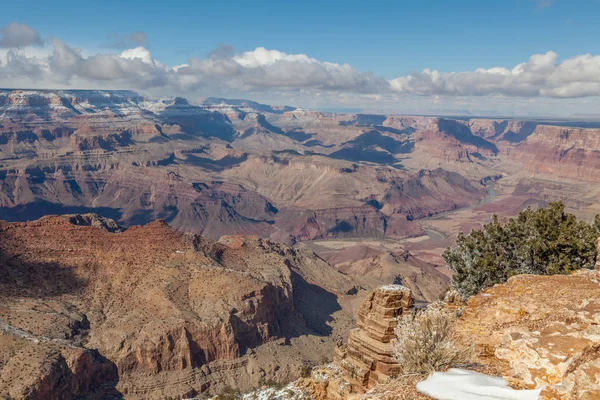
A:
540	241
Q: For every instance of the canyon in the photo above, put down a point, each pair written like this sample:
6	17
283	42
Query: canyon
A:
149	312
162	248
238	167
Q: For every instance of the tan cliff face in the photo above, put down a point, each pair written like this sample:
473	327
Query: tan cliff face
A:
562	152
369	356
150	312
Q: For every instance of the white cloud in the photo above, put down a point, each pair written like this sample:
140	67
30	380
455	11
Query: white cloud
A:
268	73
261	57
17	65
64	59
542	75
138	53
16	35
267	69
221	71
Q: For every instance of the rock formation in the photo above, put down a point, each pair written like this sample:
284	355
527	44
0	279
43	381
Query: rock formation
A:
540	331
367	360
534	331
240	167
224	167
561	151
148	312
230	167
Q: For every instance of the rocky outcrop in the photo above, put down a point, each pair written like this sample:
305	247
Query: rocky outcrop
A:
540	331
96	221
368	358
44	370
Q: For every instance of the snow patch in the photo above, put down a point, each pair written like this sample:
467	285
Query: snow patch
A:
394	288
460	384
289	392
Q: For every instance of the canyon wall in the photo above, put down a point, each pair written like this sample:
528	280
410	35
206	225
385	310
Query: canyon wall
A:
166	314
571	153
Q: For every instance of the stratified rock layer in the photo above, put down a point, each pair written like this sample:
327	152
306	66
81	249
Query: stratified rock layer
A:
368	358
218	169
561	151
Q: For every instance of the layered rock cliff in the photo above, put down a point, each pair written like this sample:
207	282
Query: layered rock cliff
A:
560	151
152	313
368	357
235	167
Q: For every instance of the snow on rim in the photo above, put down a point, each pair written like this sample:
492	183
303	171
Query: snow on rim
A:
460	384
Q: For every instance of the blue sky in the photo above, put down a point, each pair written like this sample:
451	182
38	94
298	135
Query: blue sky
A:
387	38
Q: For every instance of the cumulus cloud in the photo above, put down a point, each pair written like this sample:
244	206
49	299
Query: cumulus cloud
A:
272	68
17	65
222	70
133	68
541	75
16	35
266	72
264	69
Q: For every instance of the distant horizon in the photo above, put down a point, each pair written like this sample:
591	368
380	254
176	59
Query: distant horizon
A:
448	113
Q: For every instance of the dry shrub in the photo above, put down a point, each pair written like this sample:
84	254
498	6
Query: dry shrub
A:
427	341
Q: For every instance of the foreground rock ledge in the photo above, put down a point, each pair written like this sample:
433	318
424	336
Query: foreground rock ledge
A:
535	331
540	331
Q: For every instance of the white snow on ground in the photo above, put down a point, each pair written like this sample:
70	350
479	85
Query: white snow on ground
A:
460	384
394	288
290	392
